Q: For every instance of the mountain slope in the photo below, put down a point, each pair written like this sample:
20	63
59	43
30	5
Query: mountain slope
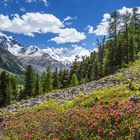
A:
31	55
119	80
10	62
40	63
101	110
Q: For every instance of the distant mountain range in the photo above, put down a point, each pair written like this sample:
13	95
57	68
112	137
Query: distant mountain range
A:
39	58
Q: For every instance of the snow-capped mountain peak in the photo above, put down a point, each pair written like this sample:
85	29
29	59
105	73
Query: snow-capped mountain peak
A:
32	51
10	43
67	55
39	58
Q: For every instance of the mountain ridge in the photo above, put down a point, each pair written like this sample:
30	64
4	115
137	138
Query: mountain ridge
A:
61	58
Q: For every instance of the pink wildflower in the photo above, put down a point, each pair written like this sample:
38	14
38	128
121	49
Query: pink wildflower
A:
135	127
101	130
112	133
27	135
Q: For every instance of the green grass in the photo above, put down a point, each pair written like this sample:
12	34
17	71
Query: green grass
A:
1	70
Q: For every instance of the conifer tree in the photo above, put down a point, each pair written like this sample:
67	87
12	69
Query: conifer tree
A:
37	86
100	55
29	82
43	83
4	94
49	80
56	84
60	78
74	80
65	79
13	85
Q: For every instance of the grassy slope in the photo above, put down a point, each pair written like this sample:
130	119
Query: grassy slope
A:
1	70
106	114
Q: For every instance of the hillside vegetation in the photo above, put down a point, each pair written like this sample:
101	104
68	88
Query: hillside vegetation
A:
103	114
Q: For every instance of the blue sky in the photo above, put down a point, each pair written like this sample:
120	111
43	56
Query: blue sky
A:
75	19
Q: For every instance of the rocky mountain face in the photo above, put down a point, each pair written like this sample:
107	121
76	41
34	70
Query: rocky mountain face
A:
31	55
39	58
10	62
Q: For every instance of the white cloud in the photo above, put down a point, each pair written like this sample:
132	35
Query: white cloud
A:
31	23
44	1
69	18
102	28
95	50
138	10
125	10
68	35
106	17
90	29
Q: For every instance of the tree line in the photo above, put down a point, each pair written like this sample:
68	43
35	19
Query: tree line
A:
116	50
33	84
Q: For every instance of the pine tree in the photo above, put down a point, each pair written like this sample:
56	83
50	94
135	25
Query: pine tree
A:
49	80
111	46
13	85
37	86
29	82
43	83
74	68
60	78
56	84
101	55
74	80
125	30
65	79
4	93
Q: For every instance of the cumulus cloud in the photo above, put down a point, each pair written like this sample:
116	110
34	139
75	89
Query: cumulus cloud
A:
68	35
31	23
125	10
102	28
90	29
106	17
